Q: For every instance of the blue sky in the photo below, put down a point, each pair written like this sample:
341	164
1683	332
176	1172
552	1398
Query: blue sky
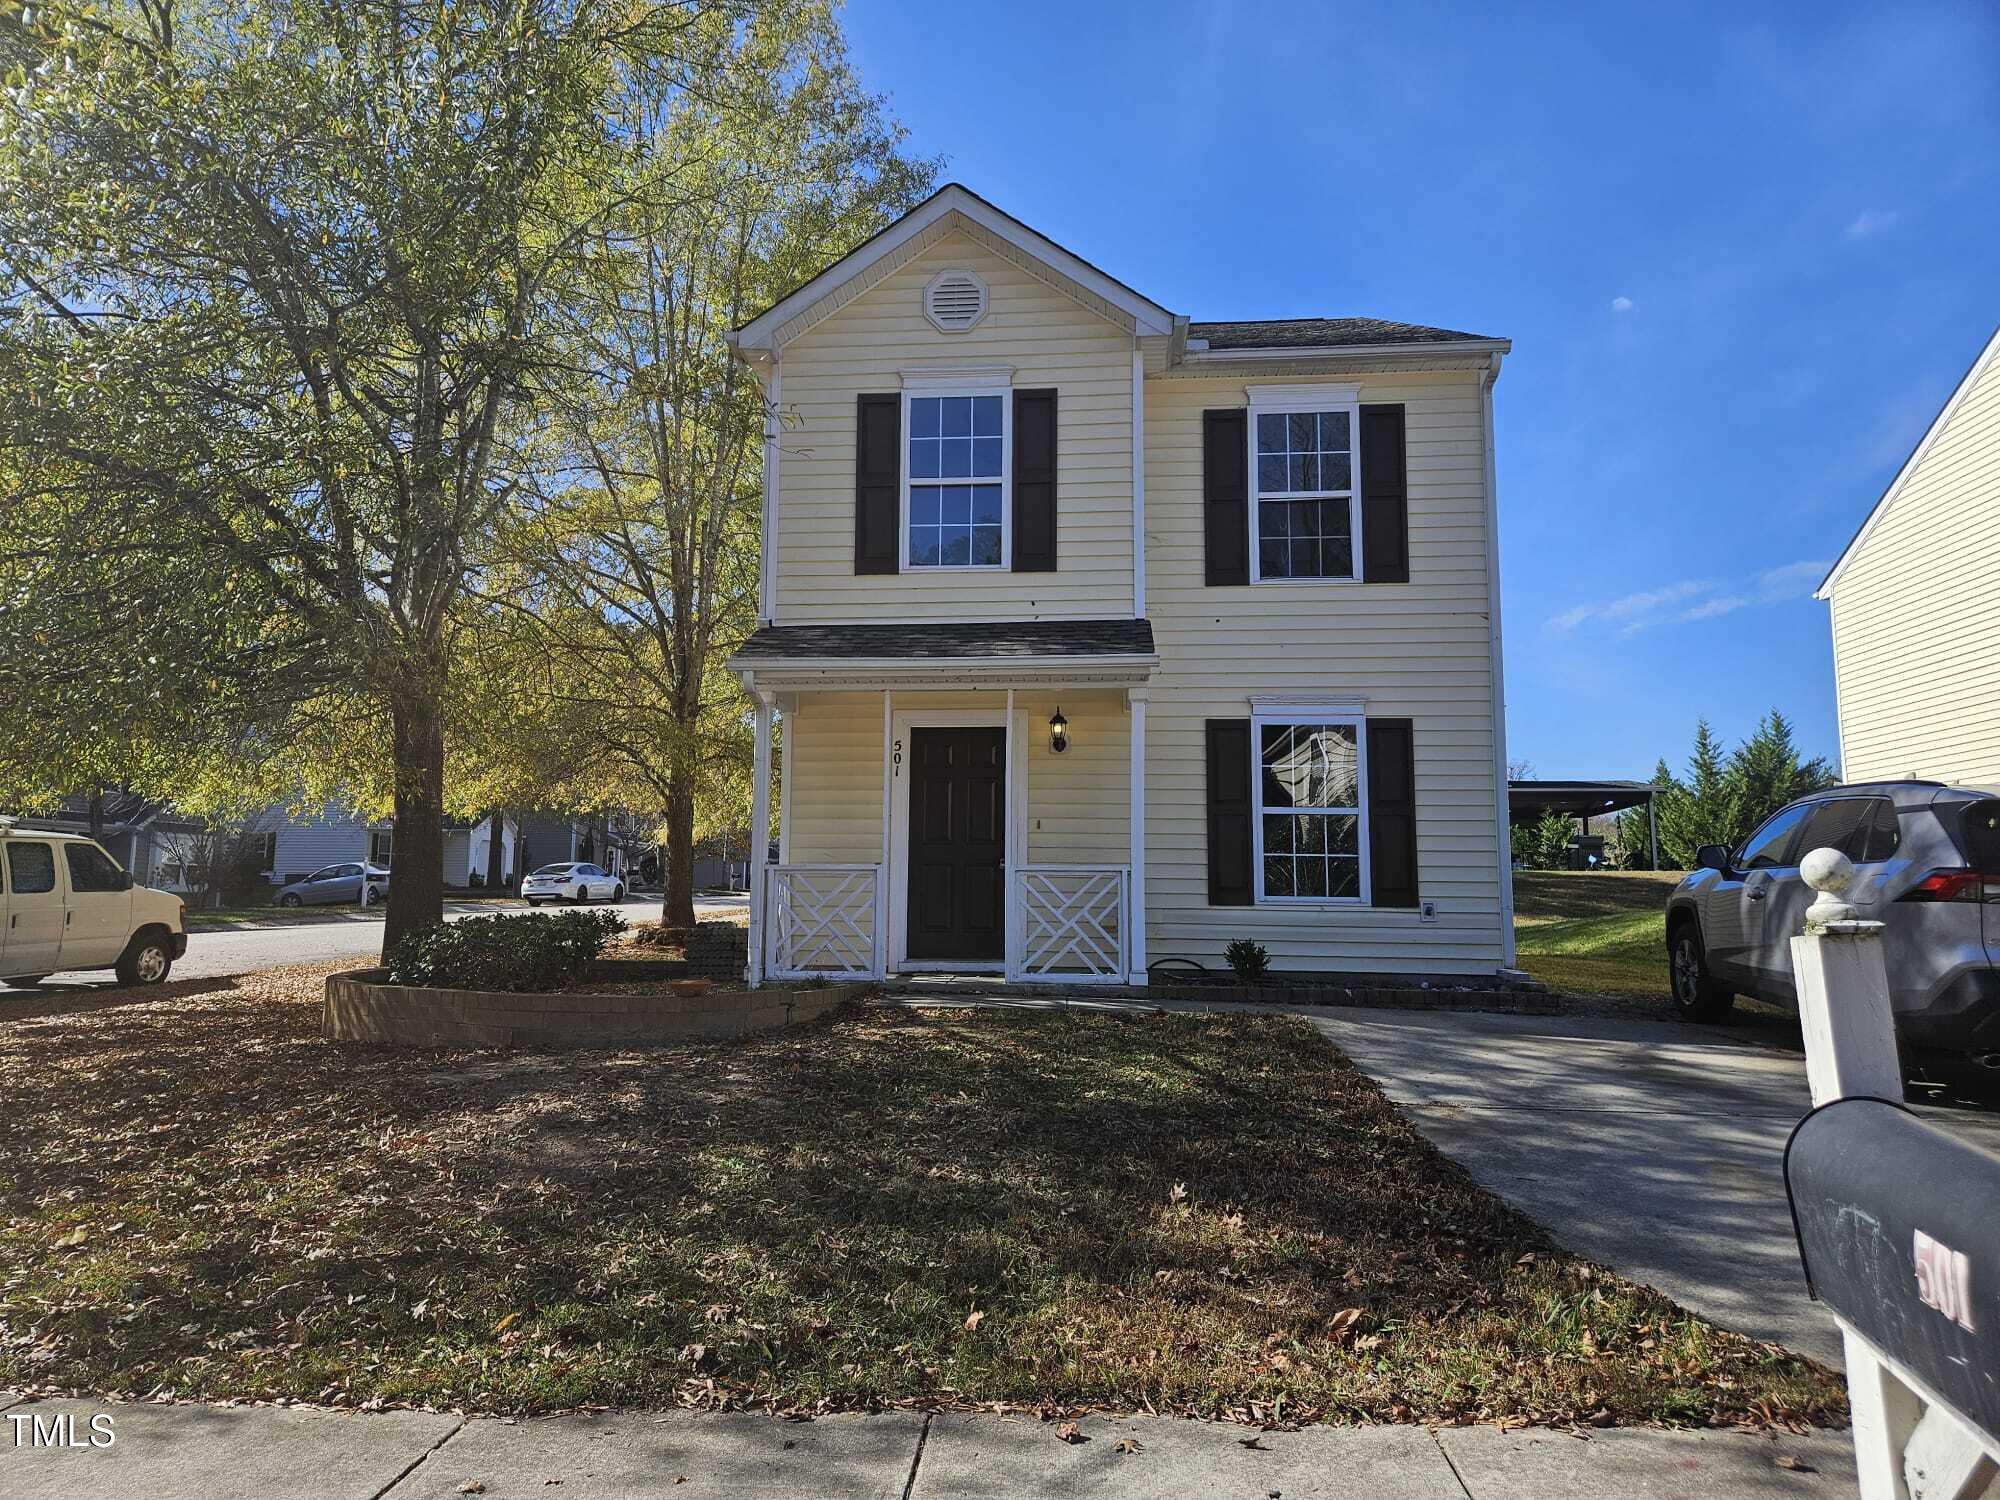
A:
1744	255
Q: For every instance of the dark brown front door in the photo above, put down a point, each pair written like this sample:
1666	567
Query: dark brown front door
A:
958	843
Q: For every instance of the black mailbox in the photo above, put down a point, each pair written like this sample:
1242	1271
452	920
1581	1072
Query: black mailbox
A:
1899	1229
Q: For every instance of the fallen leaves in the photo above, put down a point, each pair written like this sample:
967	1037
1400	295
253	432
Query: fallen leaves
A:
1796	1465
1069	1432
1128	1445
827	1220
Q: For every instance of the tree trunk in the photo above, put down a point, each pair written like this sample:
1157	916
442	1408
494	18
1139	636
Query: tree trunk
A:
677	903
416	882
496	850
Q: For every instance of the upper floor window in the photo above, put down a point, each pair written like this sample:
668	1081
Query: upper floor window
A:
1305	515
955	480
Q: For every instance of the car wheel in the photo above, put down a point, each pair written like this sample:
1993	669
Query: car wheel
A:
582	894
618	891
1697	994
531	901
289	899
146	961
23	981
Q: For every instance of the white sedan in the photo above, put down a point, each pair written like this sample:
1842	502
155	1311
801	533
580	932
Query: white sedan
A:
573	881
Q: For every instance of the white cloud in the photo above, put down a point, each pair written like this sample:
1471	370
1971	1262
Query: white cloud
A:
1690	600
1872	221
1621	304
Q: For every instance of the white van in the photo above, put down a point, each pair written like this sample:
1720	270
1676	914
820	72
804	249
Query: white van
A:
65	904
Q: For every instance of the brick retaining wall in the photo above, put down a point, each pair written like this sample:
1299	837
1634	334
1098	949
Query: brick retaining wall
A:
361	1006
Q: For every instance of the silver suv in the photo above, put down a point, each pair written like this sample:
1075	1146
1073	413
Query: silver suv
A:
1926	863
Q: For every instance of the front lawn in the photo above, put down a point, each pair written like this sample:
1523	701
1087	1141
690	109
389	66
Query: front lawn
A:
1594	932
1212	1216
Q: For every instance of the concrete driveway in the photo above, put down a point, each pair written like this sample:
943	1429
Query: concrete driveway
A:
1653	1147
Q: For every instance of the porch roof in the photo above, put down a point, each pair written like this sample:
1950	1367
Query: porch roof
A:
1009	640
1118	650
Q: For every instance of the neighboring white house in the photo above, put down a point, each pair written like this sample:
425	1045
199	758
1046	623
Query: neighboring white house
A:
1916	604
1073	608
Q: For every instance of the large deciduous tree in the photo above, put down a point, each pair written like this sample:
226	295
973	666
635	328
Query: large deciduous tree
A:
639	574
281	283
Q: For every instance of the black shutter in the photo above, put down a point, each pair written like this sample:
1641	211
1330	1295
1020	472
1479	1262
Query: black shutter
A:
1385	496
1229	812
878	482
1225	491
1392	812
1034	481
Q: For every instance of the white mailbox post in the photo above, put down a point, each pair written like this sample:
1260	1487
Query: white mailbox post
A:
1899	1224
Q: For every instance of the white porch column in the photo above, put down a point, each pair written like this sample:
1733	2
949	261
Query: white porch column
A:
1135	917
884	956
1015	849
760	834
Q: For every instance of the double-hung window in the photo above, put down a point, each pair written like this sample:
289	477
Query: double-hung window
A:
1304	472
955	477
1311	824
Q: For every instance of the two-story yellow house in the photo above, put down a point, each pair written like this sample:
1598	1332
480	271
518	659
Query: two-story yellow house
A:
1100	637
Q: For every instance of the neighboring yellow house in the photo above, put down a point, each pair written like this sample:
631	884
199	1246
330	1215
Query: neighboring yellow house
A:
1073	609
1916	605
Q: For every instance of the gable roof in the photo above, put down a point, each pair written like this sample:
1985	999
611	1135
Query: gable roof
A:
953	206
1944	416
1322	333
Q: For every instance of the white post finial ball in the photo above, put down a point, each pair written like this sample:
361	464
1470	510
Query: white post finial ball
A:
1827	870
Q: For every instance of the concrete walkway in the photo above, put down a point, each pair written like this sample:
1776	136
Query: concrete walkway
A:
250	1453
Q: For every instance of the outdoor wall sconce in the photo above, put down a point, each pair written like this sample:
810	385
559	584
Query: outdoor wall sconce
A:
1058	732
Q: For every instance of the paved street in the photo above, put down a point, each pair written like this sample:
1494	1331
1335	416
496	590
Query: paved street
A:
213	1453
213	952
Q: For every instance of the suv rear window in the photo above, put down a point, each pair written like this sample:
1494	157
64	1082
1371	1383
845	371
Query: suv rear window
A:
1862	828
1979	826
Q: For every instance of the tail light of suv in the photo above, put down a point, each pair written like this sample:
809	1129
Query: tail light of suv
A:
1955	885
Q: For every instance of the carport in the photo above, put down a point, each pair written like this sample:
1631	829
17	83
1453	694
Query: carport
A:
1529	800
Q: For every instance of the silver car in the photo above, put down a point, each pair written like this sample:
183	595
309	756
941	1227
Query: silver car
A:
1926	864
330	883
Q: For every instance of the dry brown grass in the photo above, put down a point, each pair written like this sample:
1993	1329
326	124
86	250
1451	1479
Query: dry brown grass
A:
1212	1216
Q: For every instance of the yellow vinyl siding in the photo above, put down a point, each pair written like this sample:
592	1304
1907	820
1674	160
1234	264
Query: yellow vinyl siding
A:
1050	341
1078	804
1420	650
1916	613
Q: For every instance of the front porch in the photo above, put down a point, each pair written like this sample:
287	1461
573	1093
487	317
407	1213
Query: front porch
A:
934	820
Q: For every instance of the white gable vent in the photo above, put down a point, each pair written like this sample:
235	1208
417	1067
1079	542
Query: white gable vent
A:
954	301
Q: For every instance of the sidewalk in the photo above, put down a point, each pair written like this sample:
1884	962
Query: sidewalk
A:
237	1453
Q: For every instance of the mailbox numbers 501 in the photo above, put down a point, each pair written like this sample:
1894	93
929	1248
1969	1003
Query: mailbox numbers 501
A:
1944	1280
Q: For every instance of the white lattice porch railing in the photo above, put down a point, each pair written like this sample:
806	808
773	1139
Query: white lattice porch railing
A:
1072	922
822	920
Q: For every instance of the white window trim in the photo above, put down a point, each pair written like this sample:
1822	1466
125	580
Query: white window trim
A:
947	388
1273	400
1308	714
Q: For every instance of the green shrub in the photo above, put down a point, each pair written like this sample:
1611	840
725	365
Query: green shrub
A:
532	951
1248	959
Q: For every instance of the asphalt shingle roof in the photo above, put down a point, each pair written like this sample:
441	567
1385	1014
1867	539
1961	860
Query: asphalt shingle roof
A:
1022	638
1320	333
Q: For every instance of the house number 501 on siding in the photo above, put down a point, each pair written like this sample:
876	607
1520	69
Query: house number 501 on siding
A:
1944	1280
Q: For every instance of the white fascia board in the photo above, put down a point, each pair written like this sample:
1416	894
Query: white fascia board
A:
1347	351
774	665
1950	408
1147	315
